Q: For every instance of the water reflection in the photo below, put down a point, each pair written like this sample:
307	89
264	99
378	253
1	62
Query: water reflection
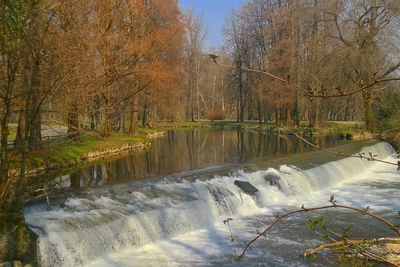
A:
182	150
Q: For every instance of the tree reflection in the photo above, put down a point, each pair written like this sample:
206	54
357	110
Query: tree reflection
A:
183	150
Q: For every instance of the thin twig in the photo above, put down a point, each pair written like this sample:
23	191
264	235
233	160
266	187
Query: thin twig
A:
359	156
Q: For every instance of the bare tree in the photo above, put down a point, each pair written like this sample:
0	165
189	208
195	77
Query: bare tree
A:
196	34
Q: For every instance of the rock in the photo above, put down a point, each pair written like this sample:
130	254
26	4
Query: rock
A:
17	264
156	134
112	151
273	180
6	264
247	187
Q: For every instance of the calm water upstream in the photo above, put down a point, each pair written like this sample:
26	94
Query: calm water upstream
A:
192	150
165	206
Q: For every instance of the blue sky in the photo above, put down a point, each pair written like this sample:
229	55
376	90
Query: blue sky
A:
214	14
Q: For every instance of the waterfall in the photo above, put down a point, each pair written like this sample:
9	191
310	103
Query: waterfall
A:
83	229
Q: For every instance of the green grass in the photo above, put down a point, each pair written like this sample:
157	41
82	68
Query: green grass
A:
327	128
70	152
334	128
211	124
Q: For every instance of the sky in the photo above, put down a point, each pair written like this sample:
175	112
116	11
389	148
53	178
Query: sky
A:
214	13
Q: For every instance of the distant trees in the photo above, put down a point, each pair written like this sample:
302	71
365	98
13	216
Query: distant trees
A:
195	34
338	51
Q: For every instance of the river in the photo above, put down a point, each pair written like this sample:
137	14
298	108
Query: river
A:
166	206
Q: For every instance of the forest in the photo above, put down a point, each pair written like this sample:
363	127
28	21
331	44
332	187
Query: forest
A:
103	68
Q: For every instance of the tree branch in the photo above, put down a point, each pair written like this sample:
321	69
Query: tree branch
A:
306	93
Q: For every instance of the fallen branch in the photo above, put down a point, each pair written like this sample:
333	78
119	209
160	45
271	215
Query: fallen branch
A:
334	244
347	244
278	219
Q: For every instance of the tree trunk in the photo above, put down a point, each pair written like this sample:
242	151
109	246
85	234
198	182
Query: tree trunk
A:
277	114
20	129
20	139
107	126
34	122
134	116
145	113
289	121
368	110
197	87
297	112
259	111
192	107
108	114
191	100
250	110
35	136
92	121
315	112
73	121
5	118
3	143
241	97
238	109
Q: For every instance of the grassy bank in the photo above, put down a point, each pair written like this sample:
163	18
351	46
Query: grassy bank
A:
64	152
75	150
352	129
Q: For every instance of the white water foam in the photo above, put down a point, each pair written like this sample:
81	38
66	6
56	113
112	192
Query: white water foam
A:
171	220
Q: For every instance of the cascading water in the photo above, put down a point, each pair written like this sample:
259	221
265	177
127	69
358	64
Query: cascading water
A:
131	216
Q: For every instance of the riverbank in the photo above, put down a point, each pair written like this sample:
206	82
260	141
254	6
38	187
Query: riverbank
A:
347	130
66	153
88	147
350	130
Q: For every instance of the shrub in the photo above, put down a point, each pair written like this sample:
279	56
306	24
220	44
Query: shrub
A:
215	115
